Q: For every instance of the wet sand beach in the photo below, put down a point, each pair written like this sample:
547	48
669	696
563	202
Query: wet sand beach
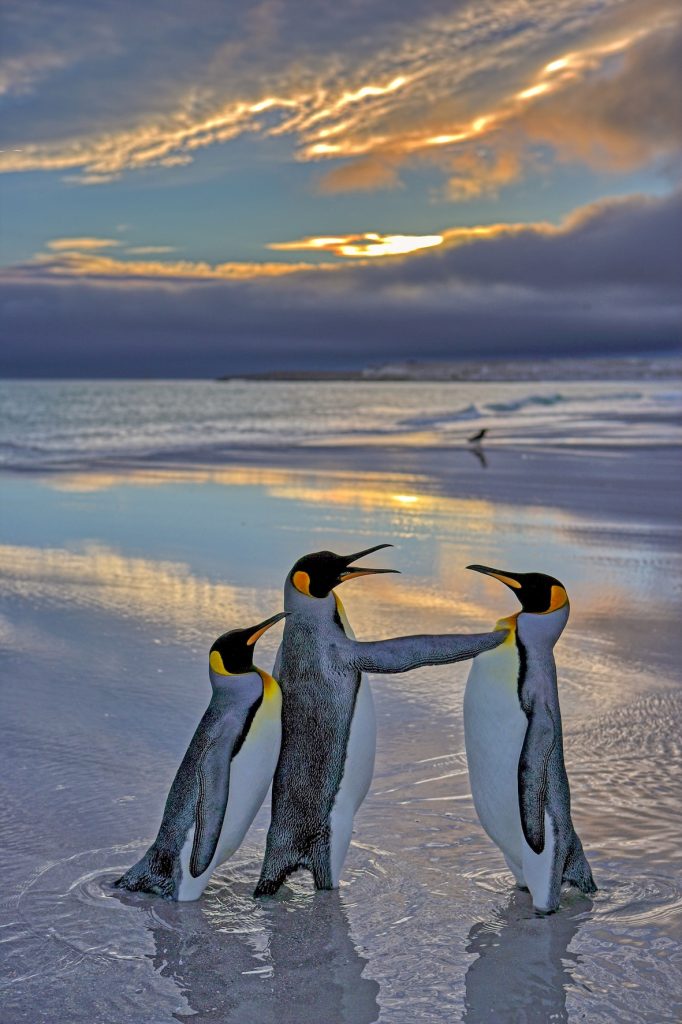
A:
115	577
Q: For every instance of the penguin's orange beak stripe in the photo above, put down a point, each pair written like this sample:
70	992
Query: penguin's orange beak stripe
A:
351	574
264	627
509	580
258	634
506	579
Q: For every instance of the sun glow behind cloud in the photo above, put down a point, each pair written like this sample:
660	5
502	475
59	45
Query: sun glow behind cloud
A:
369	244
71	258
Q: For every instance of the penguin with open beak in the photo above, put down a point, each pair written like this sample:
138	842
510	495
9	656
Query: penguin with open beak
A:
514	744
224	775
328	721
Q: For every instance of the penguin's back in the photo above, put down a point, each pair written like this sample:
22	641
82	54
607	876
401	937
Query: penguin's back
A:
319	692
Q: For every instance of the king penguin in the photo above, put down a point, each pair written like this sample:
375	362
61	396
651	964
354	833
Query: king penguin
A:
514	744
224	775
328	723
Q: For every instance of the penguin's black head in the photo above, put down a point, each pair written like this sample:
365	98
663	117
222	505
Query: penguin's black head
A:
317	574
538	594
232	653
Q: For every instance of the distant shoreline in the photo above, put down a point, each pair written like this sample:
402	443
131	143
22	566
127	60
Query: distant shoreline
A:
611	368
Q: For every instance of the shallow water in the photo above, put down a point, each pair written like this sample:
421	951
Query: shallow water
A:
113	583
54	422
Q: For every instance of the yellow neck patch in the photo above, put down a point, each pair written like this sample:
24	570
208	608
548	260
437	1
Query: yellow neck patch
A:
509	623
270	685
341	610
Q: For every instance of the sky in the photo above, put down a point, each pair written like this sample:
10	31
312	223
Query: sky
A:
218	187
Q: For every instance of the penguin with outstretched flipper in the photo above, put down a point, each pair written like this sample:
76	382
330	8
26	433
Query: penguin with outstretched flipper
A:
224	775
328	722
514	744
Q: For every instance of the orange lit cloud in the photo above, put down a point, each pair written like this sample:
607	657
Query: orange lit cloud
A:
365	175
608	104
70	258
416	259
82	244
73	263
149	250
81	258
474	171
419	94
366	245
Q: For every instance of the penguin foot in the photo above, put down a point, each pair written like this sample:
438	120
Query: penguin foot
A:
269	886
577	871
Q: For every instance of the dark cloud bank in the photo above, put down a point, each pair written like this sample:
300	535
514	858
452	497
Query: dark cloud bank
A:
607	283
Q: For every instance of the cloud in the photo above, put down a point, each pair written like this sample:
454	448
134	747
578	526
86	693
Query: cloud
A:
605	280
73	263
19	75
365	175
613	104
621	117
149	250
475	171
377	86
80	244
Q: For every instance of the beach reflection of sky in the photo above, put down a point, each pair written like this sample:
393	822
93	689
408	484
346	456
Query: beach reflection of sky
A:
195	552
113	587
219	538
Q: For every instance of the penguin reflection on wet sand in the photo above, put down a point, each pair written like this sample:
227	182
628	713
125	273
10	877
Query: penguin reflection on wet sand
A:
514	744
224	775
328	722
277	962
523	966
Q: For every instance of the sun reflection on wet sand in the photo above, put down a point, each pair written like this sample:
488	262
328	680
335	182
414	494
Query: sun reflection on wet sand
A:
437	536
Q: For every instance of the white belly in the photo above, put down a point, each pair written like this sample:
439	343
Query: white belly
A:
494	731
251	773
357	776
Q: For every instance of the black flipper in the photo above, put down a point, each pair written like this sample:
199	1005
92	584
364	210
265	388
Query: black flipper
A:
213	780
407	652
538	745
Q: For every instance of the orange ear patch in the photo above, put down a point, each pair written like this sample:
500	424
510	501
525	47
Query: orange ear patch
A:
301	580
558	598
